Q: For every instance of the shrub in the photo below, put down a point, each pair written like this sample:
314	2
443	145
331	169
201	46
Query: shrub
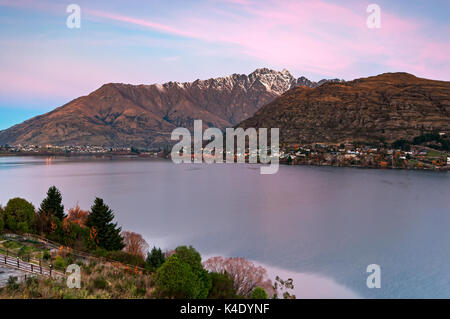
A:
31	281
100	252
46	255
19	215
246	275
192	257
126	258
139	288
222	286
176	279
60	263
12	283
258	293
43	222
69	234
100	283
24	252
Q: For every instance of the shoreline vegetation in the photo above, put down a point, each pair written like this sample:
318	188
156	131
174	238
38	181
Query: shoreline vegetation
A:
114	263
429	151
347	155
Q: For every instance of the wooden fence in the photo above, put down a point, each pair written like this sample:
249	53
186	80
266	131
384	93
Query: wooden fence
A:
37	269
80	254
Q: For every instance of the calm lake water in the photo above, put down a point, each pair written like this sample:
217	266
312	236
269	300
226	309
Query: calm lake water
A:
322	226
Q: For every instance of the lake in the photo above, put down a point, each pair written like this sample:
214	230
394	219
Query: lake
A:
320	225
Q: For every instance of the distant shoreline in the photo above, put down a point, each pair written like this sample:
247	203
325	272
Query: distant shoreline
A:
43	154
147	156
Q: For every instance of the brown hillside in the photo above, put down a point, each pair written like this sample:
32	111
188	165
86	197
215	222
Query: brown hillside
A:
389	106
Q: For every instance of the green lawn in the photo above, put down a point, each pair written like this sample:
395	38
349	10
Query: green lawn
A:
434	153
23	249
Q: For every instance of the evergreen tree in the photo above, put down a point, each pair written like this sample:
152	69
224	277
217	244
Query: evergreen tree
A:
155	258
107	234
52	204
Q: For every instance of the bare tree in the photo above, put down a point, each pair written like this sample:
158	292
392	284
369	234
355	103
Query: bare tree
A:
135	244
245	274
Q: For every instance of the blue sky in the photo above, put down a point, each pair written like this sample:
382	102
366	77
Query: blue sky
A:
45	64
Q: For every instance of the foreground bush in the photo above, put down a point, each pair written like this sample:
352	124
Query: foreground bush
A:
12	284
222	287
176	279
259	293
245	274
60	263
192	257
126	258
18	216
98	281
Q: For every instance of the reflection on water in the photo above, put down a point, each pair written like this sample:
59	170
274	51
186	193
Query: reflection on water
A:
312	286
324	225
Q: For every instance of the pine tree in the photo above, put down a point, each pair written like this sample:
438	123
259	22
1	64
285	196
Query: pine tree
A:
107	233
52	204
155	258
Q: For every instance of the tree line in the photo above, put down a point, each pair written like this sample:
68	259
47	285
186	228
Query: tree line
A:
86	231
179	273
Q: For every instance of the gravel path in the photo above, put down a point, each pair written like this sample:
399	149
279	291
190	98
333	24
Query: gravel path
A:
5	272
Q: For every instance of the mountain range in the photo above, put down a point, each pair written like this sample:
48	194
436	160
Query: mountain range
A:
144	115
386	107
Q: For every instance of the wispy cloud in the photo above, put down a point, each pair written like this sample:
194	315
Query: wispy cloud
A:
141	22
320	38
313	36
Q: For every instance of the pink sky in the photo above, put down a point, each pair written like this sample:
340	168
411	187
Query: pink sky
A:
183	41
